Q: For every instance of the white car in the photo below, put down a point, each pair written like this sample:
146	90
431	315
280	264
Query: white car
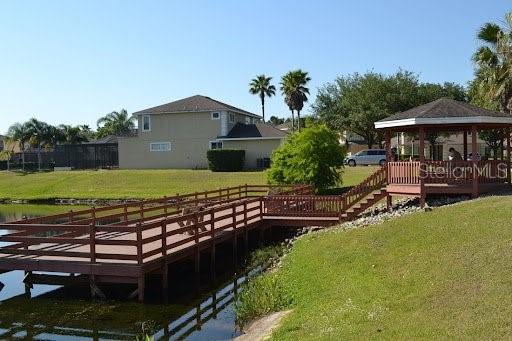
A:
367	157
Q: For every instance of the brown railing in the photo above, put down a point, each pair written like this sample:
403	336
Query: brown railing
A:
324	205
374	182
451	172
403	172
303	205
137	211
85	236
128	244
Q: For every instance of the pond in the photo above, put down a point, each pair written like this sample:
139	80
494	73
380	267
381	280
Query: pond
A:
67	313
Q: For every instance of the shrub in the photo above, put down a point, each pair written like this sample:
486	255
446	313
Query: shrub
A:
313	156
226	160
262	295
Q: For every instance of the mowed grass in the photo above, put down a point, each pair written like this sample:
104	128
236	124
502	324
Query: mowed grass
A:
139	184
444	274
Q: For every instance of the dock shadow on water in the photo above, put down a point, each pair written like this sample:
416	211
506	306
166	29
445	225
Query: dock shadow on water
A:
188	310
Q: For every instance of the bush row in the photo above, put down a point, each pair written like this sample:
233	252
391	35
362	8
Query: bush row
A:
226	160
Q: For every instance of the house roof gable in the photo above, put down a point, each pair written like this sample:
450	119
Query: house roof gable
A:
197	103
256	130
444	111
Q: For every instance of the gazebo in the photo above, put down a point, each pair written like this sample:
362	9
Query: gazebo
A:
467	176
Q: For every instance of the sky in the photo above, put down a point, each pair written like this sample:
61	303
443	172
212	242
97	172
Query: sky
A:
72	62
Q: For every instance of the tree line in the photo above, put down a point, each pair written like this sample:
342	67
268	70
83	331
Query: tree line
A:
40	135
353	103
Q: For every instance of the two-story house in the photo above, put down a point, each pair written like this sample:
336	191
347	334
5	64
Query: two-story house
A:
178	135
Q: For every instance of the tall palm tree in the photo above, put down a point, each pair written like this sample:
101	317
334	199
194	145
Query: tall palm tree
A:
19	133
494	62
286	86
117	123
261	86
293	86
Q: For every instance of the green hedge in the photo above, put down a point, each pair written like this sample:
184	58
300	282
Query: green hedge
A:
226	160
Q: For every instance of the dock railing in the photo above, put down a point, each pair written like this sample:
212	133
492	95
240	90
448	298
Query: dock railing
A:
132	236
448	172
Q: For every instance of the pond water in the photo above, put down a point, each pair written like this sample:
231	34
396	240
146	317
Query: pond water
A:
67	313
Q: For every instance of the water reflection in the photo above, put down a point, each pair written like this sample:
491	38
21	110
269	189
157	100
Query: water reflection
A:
46	318
67	313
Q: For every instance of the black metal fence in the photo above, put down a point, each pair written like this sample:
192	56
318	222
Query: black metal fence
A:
86	156
75	156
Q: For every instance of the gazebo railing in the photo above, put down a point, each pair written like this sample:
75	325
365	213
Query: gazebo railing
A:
451	172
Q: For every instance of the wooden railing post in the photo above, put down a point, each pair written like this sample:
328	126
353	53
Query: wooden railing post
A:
165	205
92	242
125	211
141	212
246	190
261	207
93	215
139	243
71	216
233	216
246	232
164	237
212	223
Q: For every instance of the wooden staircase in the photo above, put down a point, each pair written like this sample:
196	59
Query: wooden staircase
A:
363	205
333	208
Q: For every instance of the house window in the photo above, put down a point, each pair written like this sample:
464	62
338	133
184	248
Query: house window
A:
231	118
215	115
160	147
146	123
247	120
215	144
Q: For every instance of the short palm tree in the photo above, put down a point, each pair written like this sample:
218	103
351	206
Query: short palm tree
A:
293	86
19	133
40	135
117	123
261	86
494	61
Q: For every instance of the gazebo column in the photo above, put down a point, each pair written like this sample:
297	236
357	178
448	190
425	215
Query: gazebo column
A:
508	155
388	159
465	143
421	152
474	162
388	145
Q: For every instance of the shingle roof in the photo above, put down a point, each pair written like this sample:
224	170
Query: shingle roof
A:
443	108
104	140
195	103
262	130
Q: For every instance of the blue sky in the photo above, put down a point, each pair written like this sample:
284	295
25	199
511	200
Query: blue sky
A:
74	61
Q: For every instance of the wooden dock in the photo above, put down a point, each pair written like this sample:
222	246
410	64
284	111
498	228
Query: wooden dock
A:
123	243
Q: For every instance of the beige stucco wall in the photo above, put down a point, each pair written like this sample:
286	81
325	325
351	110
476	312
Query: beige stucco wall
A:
254	149
189	134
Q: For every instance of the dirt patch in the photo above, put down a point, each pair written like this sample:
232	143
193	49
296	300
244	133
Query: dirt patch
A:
262	328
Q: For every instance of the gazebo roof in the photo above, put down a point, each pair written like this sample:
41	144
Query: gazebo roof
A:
442	112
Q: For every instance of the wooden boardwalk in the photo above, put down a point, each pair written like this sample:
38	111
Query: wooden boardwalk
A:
123	243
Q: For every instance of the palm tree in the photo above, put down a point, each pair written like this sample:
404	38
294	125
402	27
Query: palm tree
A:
293	86
73	135
19	133
117	123
40	134
261	86
494	62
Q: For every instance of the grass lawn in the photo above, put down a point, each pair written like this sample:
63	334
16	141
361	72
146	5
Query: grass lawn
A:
118	184
444	274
